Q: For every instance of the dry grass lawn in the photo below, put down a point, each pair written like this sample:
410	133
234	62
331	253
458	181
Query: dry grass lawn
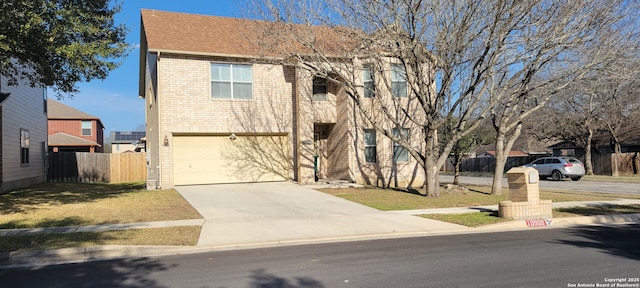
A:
72	204
79	204
395	199
391	199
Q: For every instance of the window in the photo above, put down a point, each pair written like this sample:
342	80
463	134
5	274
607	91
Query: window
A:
370	153
398	81
86	128
400	154
319	89
367	81
552	161
231	81
24	146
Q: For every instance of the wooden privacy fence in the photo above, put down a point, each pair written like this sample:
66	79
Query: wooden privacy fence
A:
488	164
616	164
96	167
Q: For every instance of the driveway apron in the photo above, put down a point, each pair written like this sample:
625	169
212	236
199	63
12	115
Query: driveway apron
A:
283	212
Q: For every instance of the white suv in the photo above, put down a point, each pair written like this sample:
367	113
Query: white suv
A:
558	168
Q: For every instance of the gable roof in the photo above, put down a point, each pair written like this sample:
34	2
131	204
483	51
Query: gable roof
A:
184	33
57	110
64	139
197	34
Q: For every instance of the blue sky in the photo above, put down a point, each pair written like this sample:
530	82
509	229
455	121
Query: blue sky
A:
115	100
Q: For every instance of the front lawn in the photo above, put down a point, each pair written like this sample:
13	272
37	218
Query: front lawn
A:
75	204
391	199
81	204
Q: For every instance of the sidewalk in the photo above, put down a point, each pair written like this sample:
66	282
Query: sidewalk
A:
323	231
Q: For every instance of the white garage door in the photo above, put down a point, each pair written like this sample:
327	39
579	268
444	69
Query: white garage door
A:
217	159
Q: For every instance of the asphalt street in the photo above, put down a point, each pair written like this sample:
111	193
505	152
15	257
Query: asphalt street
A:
591	255
566	184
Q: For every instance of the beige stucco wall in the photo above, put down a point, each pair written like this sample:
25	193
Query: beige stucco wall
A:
24	109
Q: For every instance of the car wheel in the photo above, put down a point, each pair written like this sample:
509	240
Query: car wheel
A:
556	175
575	178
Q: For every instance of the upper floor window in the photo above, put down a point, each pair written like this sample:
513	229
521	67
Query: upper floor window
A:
231	81
400	154
367	81
398	81
319	89
86	128
370	150
24	146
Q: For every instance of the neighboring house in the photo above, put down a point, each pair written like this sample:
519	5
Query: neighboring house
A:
602	143
217	113
71	130
127	141
568	148
23	135
523	146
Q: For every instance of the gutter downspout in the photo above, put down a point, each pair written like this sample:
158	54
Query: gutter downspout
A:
159	164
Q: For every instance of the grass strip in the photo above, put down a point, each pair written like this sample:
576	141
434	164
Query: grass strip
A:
170	236
474	219
593	210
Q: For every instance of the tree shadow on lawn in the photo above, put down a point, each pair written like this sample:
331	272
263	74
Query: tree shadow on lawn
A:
24	200
58	222
617	240
601	209
47	241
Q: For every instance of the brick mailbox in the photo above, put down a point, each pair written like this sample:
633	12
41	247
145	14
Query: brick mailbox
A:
524	196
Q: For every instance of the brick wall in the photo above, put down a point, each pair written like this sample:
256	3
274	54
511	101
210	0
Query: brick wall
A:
185	106
74	127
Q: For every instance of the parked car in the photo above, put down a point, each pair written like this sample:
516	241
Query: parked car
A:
558	168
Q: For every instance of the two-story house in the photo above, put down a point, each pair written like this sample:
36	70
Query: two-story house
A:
219	111
127	141
71	130
23	134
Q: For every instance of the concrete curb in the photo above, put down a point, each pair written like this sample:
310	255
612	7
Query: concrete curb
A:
18	259
565	222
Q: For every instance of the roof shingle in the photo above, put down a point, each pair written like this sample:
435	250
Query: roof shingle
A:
235	37
57	110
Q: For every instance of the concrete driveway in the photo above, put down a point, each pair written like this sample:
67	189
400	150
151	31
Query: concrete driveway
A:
238	215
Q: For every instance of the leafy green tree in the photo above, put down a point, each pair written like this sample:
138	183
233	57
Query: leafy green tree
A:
59	42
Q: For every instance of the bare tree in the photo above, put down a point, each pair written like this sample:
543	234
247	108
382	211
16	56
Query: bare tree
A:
464	146
549	58
461	59
605	101
570	118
